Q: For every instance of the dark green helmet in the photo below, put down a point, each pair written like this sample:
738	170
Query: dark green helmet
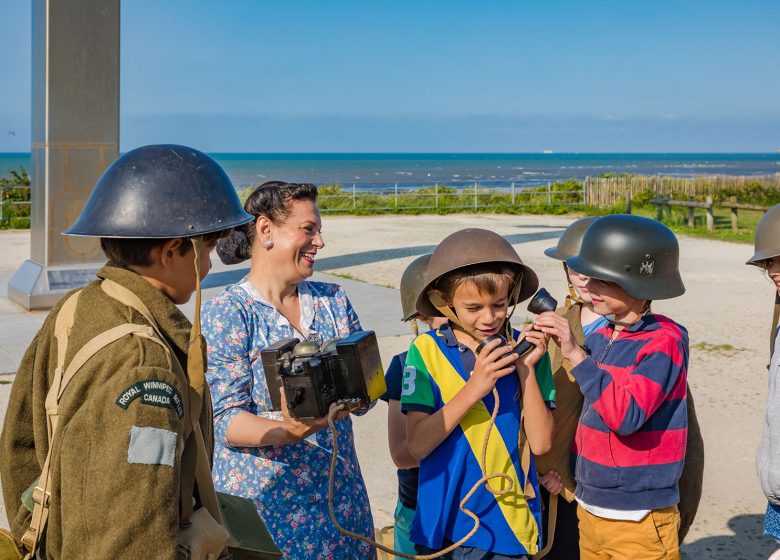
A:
412	283
767	237
161	192
569	243
638	254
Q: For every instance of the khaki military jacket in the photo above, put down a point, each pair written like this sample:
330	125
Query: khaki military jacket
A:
568	406
117	454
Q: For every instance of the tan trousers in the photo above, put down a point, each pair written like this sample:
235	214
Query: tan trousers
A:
652	538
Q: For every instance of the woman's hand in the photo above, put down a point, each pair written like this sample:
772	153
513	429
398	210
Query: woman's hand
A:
559	329
300	429
552	482
493	363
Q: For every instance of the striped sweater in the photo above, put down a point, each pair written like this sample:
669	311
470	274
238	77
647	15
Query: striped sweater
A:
630	441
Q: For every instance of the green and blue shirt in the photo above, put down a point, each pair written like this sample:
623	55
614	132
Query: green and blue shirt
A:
437	367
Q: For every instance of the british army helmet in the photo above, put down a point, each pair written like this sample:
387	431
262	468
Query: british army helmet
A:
161	192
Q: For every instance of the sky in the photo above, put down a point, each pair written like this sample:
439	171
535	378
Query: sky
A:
432	76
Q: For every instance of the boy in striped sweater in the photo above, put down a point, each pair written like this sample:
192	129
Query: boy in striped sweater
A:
631	438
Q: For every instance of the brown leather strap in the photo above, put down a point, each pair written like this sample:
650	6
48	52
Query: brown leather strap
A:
552	519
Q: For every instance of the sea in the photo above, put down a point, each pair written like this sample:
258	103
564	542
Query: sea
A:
367	171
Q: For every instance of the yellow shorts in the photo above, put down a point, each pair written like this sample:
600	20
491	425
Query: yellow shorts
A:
652	538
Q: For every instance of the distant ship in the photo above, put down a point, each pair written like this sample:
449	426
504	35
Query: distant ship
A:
550	151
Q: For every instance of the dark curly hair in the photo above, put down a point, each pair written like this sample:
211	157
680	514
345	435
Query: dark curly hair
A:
271	199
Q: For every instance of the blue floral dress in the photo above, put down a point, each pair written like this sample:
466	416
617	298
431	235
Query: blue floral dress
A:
288	483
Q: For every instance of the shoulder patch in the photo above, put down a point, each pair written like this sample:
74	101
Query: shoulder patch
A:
151	446
152	392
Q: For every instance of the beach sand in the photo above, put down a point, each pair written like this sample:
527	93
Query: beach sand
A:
727	309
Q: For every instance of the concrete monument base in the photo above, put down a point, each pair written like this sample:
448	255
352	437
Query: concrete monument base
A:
35	286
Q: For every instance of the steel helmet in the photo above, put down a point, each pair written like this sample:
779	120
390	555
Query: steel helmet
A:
412	284
469	247
638	254
161	192
767	237
569	243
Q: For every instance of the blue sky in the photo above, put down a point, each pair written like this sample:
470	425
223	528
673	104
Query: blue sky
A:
509	76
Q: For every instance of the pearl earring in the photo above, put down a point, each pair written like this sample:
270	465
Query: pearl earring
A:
268	243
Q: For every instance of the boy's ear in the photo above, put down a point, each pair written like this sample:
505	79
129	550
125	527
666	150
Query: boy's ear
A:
167	251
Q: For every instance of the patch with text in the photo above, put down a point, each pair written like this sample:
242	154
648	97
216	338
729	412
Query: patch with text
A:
152	392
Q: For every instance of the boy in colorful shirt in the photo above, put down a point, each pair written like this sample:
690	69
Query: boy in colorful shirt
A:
631	438
473	277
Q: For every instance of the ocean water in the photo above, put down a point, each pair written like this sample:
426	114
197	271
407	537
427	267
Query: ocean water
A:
410	170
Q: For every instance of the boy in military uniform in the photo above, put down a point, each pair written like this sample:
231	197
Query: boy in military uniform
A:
125	414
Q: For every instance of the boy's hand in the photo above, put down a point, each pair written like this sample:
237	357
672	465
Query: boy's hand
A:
493	363
552	482
539	340
559	329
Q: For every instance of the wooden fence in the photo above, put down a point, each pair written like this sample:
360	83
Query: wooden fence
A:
606	191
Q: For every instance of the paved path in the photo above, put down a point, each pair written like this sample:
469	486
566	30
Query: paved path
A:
727	310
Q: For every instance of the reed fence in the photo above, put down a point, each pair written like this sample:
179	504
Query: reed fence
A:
608	191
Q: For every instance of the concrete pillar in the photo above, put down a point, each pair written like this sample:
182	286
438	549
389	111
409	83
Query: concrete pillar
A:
75	136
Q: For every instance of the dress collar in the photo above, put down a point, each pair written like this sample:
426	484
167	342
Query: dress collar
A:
305	301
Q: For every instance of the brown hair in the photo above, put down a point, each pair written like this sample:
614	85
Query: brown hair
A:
487	278
135	252
271	199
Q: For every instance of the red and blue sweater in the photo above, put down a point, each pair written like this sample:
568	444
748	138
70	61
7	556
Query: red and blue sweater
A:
630	441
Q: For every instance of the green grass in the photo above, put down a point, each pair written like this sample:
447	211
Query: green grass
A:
723	349
355	279
678	222
334	200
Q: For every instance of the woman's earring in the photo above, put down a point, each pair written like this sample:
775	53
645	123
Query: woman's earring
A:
268	243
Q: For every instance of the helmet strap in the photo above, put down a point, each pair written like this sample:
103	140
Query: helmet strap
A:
513	295
573	295
196	364
442	307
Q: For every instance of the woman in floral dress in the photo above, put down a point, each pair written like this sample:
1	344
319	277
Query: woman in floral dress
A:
282	464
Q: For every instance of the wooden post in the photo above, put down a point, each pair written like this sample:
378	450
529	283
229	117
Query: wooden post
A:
396	195
691	218
475	195
549	194
734	217
513	193
436	194
710	215
660	207
585	190
628	202
354	198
